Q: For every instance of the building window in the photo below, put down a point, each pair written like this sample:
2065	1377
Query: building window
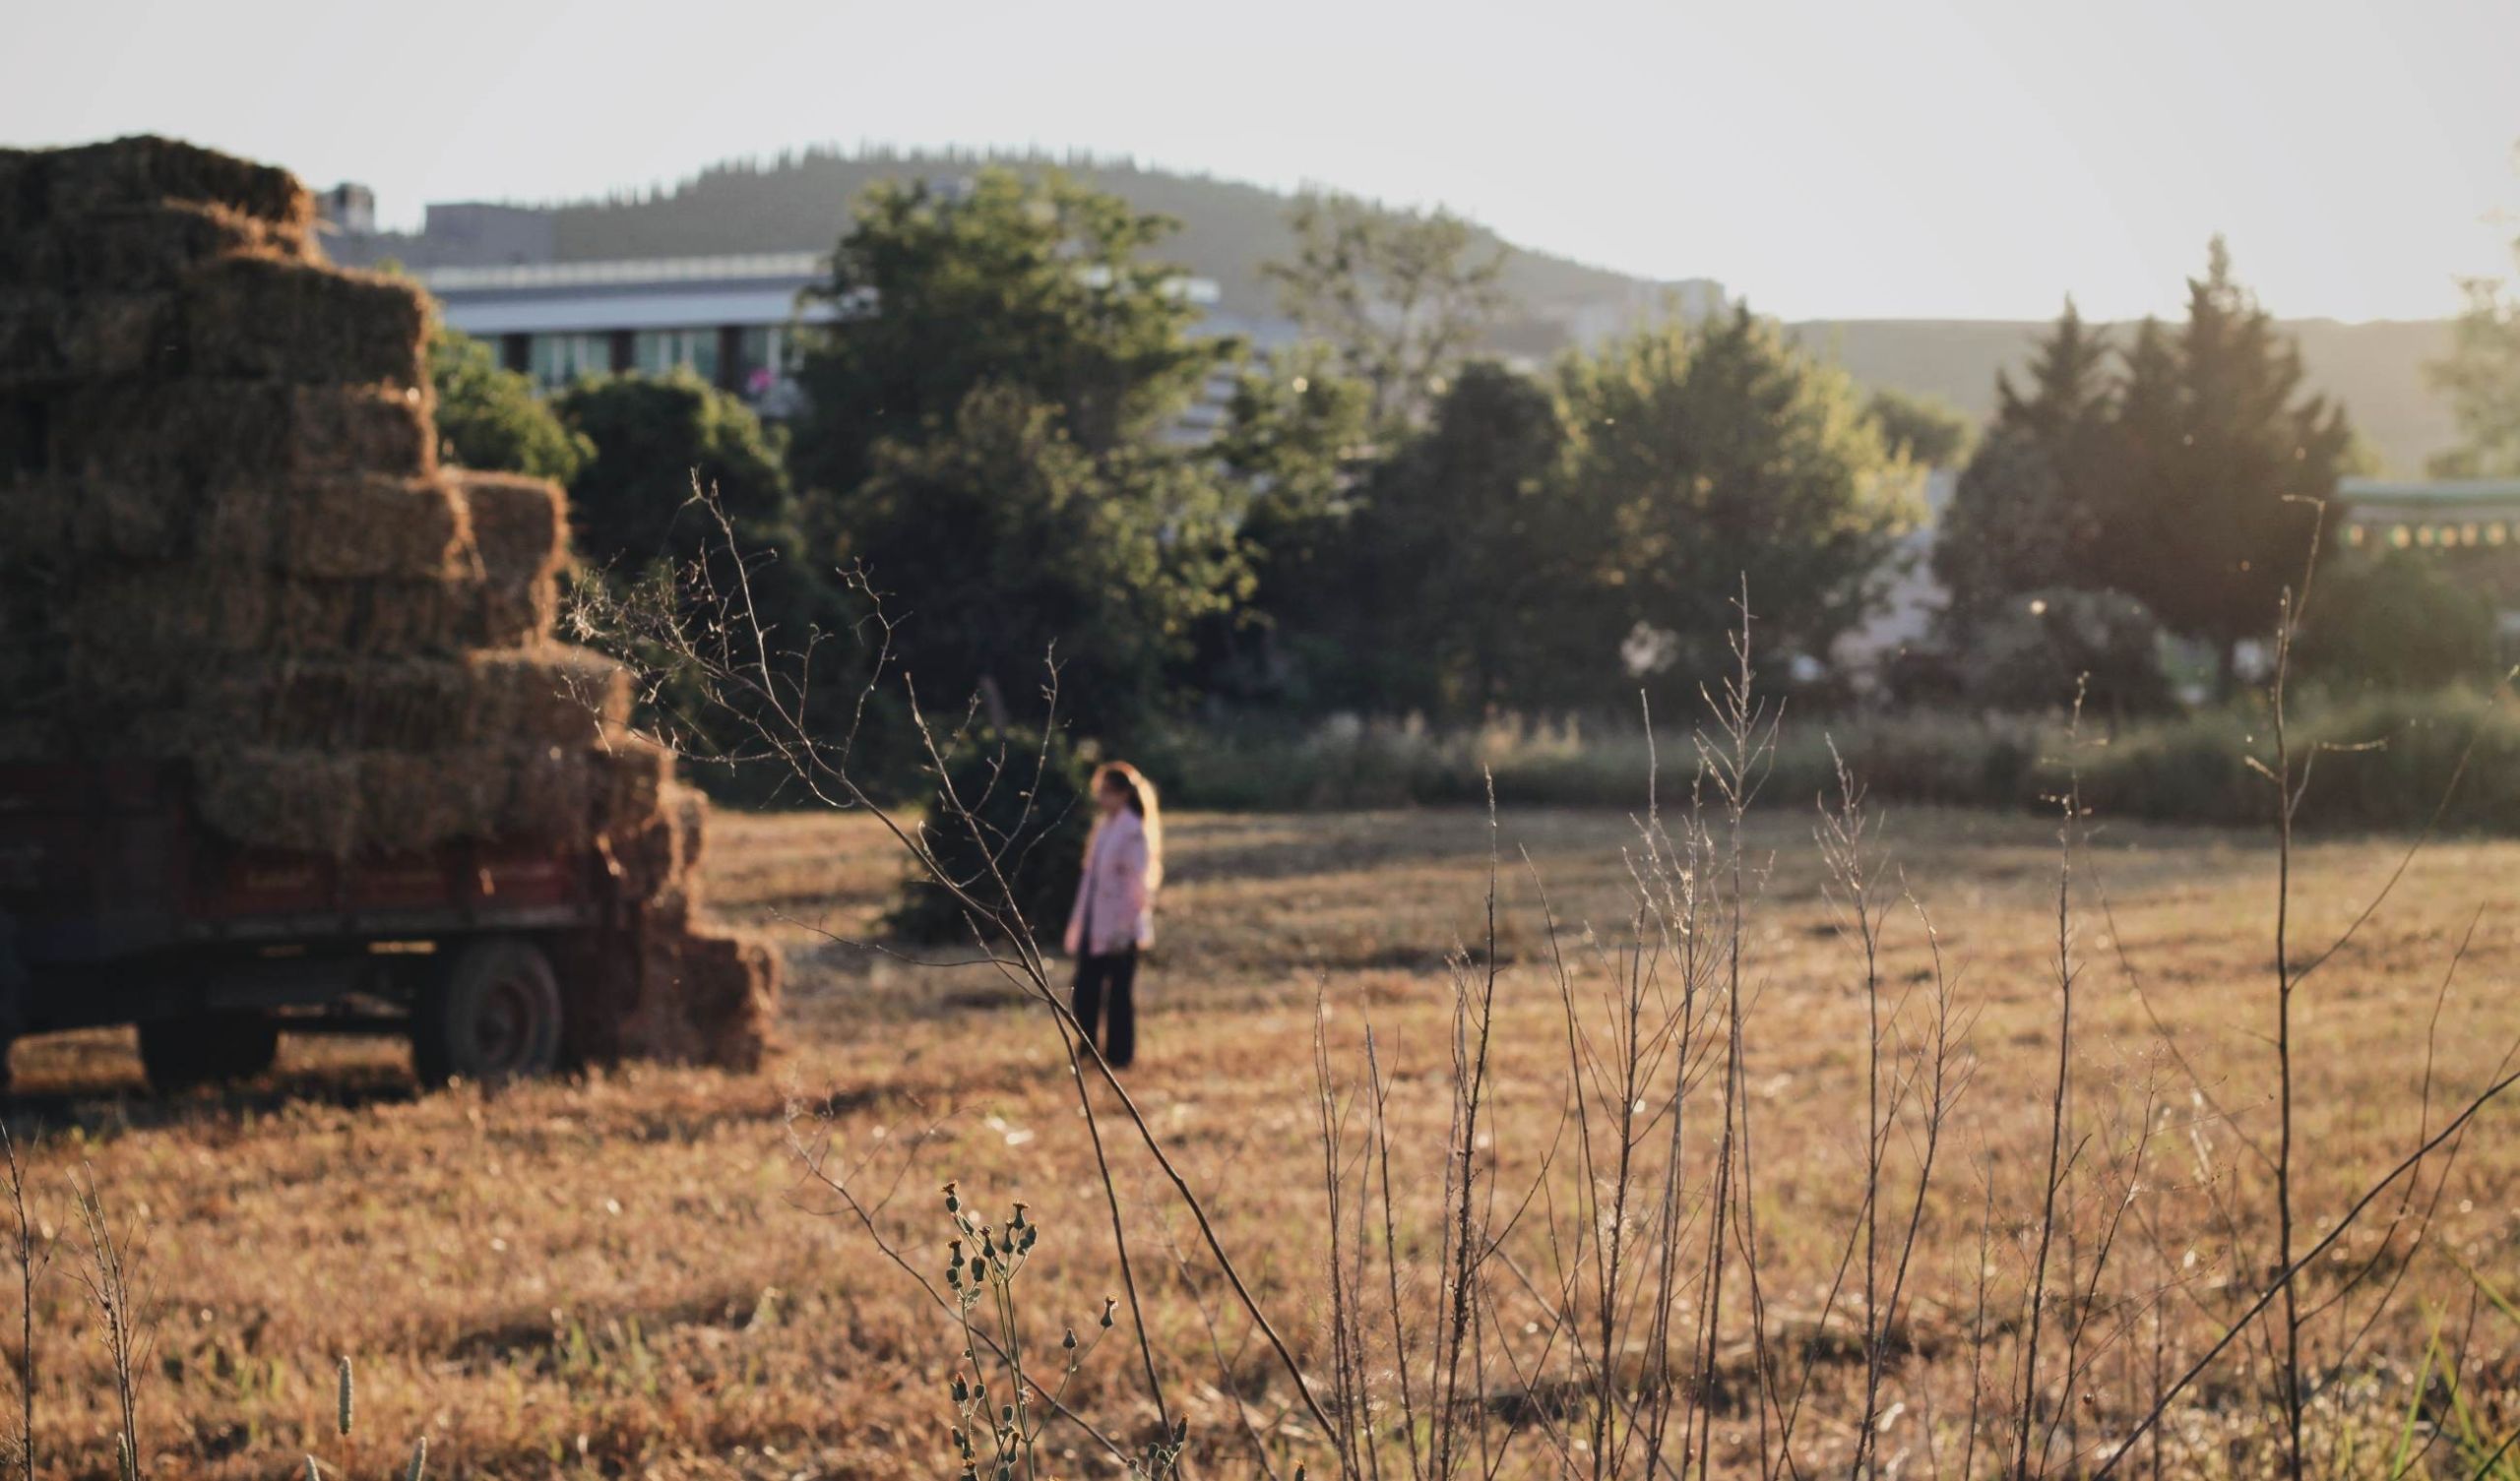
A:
558	360
765	357
662	352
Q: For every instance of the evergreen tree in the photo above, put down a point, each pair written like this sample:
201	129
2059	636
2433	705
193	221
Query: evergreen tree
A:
2026	515
2218	452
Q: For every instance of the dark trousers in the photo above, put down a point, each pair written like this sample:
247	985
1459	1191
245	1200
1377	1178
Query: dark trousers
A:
1103	996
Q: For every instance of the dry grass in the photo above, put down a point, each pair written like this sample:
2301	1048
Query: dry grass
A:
629	1275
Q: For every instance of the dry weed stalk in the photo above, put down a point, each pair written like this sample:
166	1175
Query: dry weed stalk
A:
33	1255
1596	1298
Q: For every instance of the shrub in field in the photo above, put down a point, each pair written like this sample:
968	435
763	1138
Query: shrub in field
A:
1010	805
2395	621
2040	650
2185	769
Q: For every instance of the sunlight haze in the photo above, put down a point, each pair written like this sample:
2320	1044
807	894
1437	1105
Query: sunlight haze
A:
1967	158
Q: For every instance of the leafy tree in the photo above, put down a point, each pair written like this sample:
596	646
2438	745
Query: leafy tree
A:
655	437
1924	430
2482	377
656	559
1464	566
1706	456
2027	511
489	419
1296	445
1039	287
2217	451
1002	537
1400	295
1298	434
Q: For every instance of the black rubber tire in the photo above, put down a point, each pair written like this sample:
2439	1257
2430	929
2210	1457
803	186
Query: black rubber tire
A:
210	1048
491	1013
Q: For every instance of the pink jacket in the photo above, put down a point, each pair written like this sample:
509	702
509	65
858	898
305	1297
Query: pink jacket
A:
1121	907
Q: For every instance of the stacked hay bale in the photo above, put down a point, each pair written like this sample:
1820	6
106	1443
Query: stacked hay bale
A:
228	542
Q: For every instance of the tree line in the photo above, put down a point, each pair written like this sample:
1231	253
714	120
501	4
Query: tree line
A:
1386	522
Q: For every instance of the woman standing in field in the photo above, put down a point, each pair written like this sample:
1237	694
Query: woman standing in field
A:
1114	914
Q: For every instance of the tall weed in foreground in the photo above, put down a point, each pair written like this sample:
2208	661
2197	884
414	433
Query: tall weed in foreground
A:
107	1263
1610	1282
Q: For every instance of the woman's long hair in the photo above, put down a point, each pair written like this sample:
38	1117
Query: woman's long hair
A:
1150	811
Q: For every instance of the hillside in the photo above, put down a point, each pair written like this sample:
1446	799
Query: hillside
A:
800	201
2377	369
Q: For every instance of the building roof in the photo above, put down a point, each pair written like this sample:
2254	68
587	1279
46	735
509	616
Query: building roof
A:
660	292
2429	493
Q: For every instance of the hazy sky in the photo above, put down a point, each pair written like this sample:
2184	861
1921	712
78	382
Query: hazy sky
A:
1862	159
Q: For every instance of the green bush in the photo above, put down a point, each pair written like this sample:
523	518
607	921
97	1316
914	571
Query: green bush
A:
2395	621
2037	649
2385	761
1032	815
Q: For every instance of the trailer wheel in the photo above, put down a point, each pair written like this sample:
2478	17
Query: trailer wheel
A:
492	1014
206	1048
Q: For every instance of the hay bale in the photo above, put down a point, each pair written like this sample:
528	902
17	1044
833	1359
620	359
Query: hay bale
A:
519	525
341	527
370	527
730	991
345	801
550	791
147	624
174	614
260	317
147	171
550	693
111	521
410	705
707	994
127	248
648	829
410	617
47	341
552	699
303	801
409	803
195	435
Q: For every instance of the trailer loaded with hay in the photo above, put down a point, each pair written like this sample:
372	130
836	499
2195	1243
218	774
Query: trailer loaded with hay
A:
285	742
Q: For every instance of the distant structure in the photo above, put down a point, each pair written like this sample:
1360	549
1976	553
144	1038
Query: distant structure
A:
350	208
1910	605
2433	514
730	318
2472	526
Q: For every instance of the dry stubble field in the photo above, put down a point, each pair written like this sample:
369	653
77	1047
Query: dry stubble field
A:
631	1275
